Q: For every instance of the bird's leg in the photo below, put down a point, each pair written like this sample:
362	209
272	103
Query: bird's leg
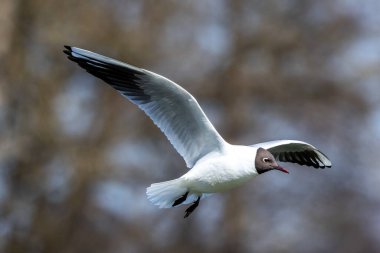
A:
192	207
180	200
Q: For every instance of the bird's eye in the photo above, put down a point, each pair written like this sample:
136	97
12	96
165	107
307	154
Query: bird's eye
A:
267	160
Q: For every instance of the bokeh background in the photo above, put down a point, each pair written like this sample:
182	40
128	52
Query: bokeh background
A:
76	158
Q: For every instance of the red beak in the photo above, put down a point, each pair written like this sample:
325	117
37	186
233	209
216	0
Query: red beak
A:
281	169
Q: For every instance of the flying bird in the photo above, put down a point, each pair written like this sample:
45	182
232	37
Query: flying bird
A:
214	164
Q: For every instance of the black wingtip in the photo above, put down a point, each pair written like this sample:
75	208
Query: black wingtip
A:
68	50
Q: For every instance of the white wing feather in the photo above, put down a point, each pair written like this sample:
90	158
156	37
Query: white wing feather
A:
172	108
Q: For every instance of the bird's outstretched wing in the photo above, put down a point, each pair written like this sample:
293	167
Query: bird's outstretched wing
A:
172	108
296	152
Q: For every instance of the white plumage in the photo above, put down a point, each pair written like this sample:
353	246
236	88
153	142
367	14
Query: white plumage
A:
215	165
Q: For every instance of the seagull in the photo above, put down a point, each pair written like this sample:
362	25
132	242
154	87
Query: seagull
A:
214	164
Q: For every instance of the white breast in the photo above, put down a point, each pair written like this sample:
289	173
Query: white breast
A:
222	171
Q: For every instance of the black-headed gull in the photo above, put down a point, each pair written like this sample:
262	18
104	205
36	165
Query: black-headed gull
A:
214	164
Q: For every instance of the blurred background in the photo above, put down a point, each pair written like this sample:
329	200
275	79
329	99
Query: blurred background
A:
76	158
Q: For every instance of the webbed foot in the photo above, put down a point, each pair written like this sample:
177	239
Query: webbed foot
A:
192	207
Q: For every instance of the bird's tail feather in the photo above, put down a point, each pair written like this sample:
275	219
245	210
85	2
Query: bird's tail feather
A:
164	194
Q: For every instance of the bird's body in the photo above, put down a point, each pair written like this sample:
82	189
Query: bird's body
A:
214	164
217	172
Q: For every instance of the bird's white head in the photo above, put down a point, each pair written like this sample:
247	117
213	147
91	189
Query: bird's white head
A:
265	162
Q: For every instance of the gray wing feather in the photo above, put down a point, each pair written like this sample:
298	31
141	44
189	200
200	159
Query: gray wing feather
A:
296	152
172	108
